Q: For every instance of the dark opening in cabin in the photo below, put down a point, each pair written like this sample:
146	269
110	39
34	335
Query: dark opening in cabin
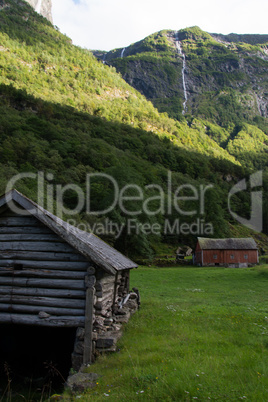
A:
33	352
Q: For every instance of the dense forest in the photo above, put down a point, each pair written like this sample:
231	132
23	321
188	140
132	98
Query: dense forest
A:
66	114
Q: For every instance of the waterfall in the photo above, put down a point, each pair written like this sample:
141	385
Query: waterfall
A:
104	58
178	46
38	6
122	53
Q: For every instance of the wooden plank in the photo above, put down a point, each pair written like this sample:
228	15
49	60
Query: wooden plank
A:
36	246
44	283
19	221
58	311
58	293
53	265
41	256
25	230
87	357
41	273
42	301
43	237
24	319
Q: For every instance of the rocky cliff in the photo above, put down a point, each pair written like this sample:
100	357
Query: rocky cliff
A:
225	76
43	7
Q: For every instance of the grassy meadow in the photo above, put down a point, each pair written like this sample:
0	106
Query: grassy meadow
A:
200	334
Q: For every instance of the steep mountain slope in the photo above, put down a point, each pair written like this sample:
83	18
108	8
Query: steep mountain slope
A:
225	78
66	114
236	64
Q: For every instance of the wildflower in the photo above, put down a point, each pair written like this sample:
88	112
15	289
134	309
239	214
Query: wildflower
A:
106	394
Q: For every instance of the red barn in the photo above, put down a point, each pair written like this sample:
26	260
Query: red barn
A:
235	253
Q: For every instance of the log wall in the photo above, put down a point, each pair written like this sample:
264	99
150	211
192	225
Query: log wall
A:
42	278
44	281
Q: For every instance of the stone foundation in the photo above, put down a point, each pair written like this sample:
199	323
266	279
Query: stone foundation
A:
107	329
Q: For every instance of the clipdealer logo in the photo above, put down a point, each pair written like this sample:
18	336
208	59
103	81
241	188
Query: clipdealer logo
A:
182	206
256	210
133	201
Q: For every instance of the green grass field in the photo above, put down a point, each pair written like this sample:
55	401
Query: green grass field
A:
200	334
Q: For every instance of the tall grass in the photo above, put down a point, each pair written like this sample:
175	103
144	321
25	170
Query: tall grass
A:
201	334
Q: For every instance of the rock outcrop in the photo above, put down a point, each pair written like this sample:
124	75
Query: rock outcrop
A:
43	7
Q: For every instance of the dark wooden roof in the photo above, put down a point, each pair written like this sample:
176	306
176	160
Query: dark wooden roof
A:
86	243
227	244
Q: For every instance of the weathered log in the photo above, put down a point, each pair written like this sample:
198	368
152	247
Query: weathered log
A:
36	246
42	301
41	256
87	357
90	281
25	230
53	265
58	293
40	273
29	237
43	283
54	311
19	221
23	319
98	286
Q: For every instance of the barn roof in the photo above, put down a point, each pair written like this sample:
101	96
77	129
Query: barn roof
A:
227	244
87	244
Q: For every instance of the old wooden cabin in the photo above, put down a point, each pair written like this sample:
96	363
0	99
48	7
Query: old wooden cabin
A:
236	252
53	275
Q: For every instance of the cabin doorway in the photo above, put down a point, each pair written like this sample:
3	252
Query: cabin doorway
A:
36	354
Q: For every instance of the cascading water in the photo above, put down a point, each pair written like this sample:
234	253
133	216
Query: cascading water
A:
122	53
178	46
38	6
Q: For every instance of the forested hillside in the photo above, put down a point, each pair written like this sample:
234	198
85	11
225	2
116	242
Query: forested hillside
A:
65	113
226	75
226	83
